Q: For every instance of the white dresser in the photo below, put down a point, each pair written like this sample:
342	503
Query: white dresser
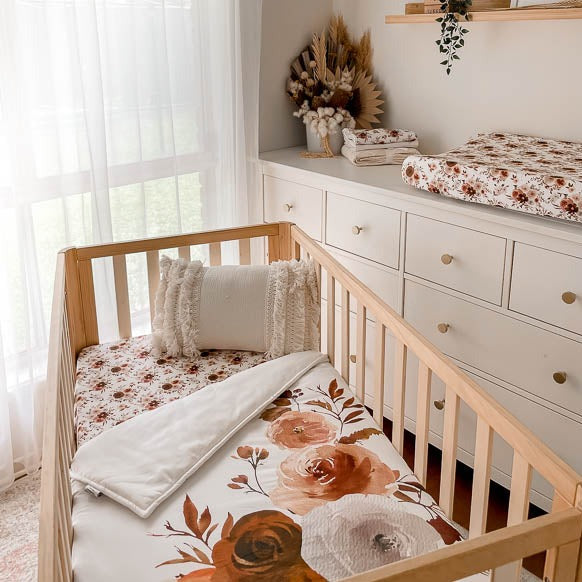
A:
497	291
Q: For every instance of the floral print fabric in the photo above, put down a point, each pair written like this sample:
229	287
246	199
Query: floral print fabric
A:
310	491
377	136
528	174
119	380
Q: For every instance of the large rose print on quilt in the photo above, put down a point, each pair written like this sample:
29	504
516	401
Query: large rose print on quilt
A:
324	504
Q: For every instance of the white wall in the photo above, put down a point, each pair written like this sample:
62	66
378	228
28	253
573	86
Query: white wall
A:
517	76
287	29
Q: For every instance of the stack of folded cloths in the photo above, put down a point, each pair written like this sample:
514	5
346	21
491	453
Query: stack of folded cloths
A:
376	147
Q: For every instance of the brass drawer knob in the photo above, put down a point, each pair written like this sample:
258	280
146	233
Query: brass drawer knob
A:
439	404
443	327
446	259
357	230
560	377
353	359
568	297
288	207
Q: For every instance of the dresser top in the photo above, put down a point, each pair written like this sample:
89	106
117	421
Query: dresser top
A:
387	180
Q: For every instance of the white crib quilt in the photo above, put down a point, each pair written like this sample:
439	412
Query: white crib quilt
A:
309	489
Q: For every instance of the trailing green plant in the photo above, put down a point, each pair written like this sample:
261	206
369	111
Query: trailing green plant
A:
452	31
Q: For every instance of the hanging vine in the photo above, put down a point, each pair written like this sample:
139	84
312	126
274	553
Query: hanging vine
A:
452	31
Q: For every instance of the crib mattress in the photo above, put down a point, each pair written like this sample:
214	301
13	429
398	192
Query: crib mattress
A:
528	174
119	380
310	489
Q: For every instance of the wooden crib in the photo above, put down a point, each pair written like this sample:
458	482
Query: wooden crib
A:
74	326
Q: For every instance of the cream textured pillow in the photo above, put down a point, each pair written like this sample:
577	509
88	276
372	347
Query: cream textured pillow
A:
270	308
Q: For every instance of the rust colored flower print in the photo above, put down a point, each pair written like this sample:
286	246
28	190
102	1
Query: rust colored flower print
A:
130	379
568	205
204	575
255	457
262	546
317	475
297	430
536	176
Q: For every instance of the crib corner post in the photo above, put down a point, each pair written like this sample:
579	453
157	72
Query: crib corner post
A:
578	574
564	563
73	301
285	242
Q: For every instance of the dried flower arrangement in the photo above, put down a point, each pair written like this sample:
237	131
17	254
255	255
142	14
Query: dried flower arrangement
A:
331	83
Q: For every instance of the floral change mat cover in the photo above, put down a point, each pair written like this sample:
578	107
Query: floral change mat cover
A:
309	490
528	174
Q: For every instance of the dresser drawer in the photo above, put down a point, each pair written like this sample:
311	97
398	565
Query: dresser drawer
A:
548	286
519	353
459	258
364	229
288	201
384	283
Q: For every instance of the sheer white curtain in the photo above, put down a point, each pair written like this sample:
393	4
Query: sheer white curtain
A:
118	119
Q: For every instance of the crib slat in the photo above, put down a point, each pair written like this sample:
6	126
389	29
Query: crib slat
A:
520	485
215	254
64	523
318	274
66	491
399	397
296	251
561	560
521	474
153	263
331	318
449	461
345	354
122	296
273	249
184	253
422	422
244	251
88	300
68	381
481	478
65	408
361	353
567	568
379	369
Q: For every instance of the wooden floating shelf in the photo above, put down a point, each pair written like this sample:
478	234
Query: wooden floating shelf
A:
495	15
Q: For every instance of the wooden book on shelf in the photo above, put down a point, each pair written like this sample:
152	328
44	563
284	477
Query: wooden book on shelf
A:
434	6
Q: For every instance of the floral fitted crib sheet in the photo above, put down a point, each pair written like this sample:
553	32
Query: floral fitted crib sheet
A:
119	380
528	174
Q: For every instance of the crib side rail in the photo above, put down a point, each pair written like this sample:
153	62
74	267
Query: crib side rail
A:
529	452
482	553
55	526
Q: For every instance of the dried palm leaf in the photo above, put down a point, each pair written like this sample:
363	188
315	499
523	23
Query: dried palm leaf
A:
367	99
333	29
300	64
343	36
364	53
319	50
306	59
